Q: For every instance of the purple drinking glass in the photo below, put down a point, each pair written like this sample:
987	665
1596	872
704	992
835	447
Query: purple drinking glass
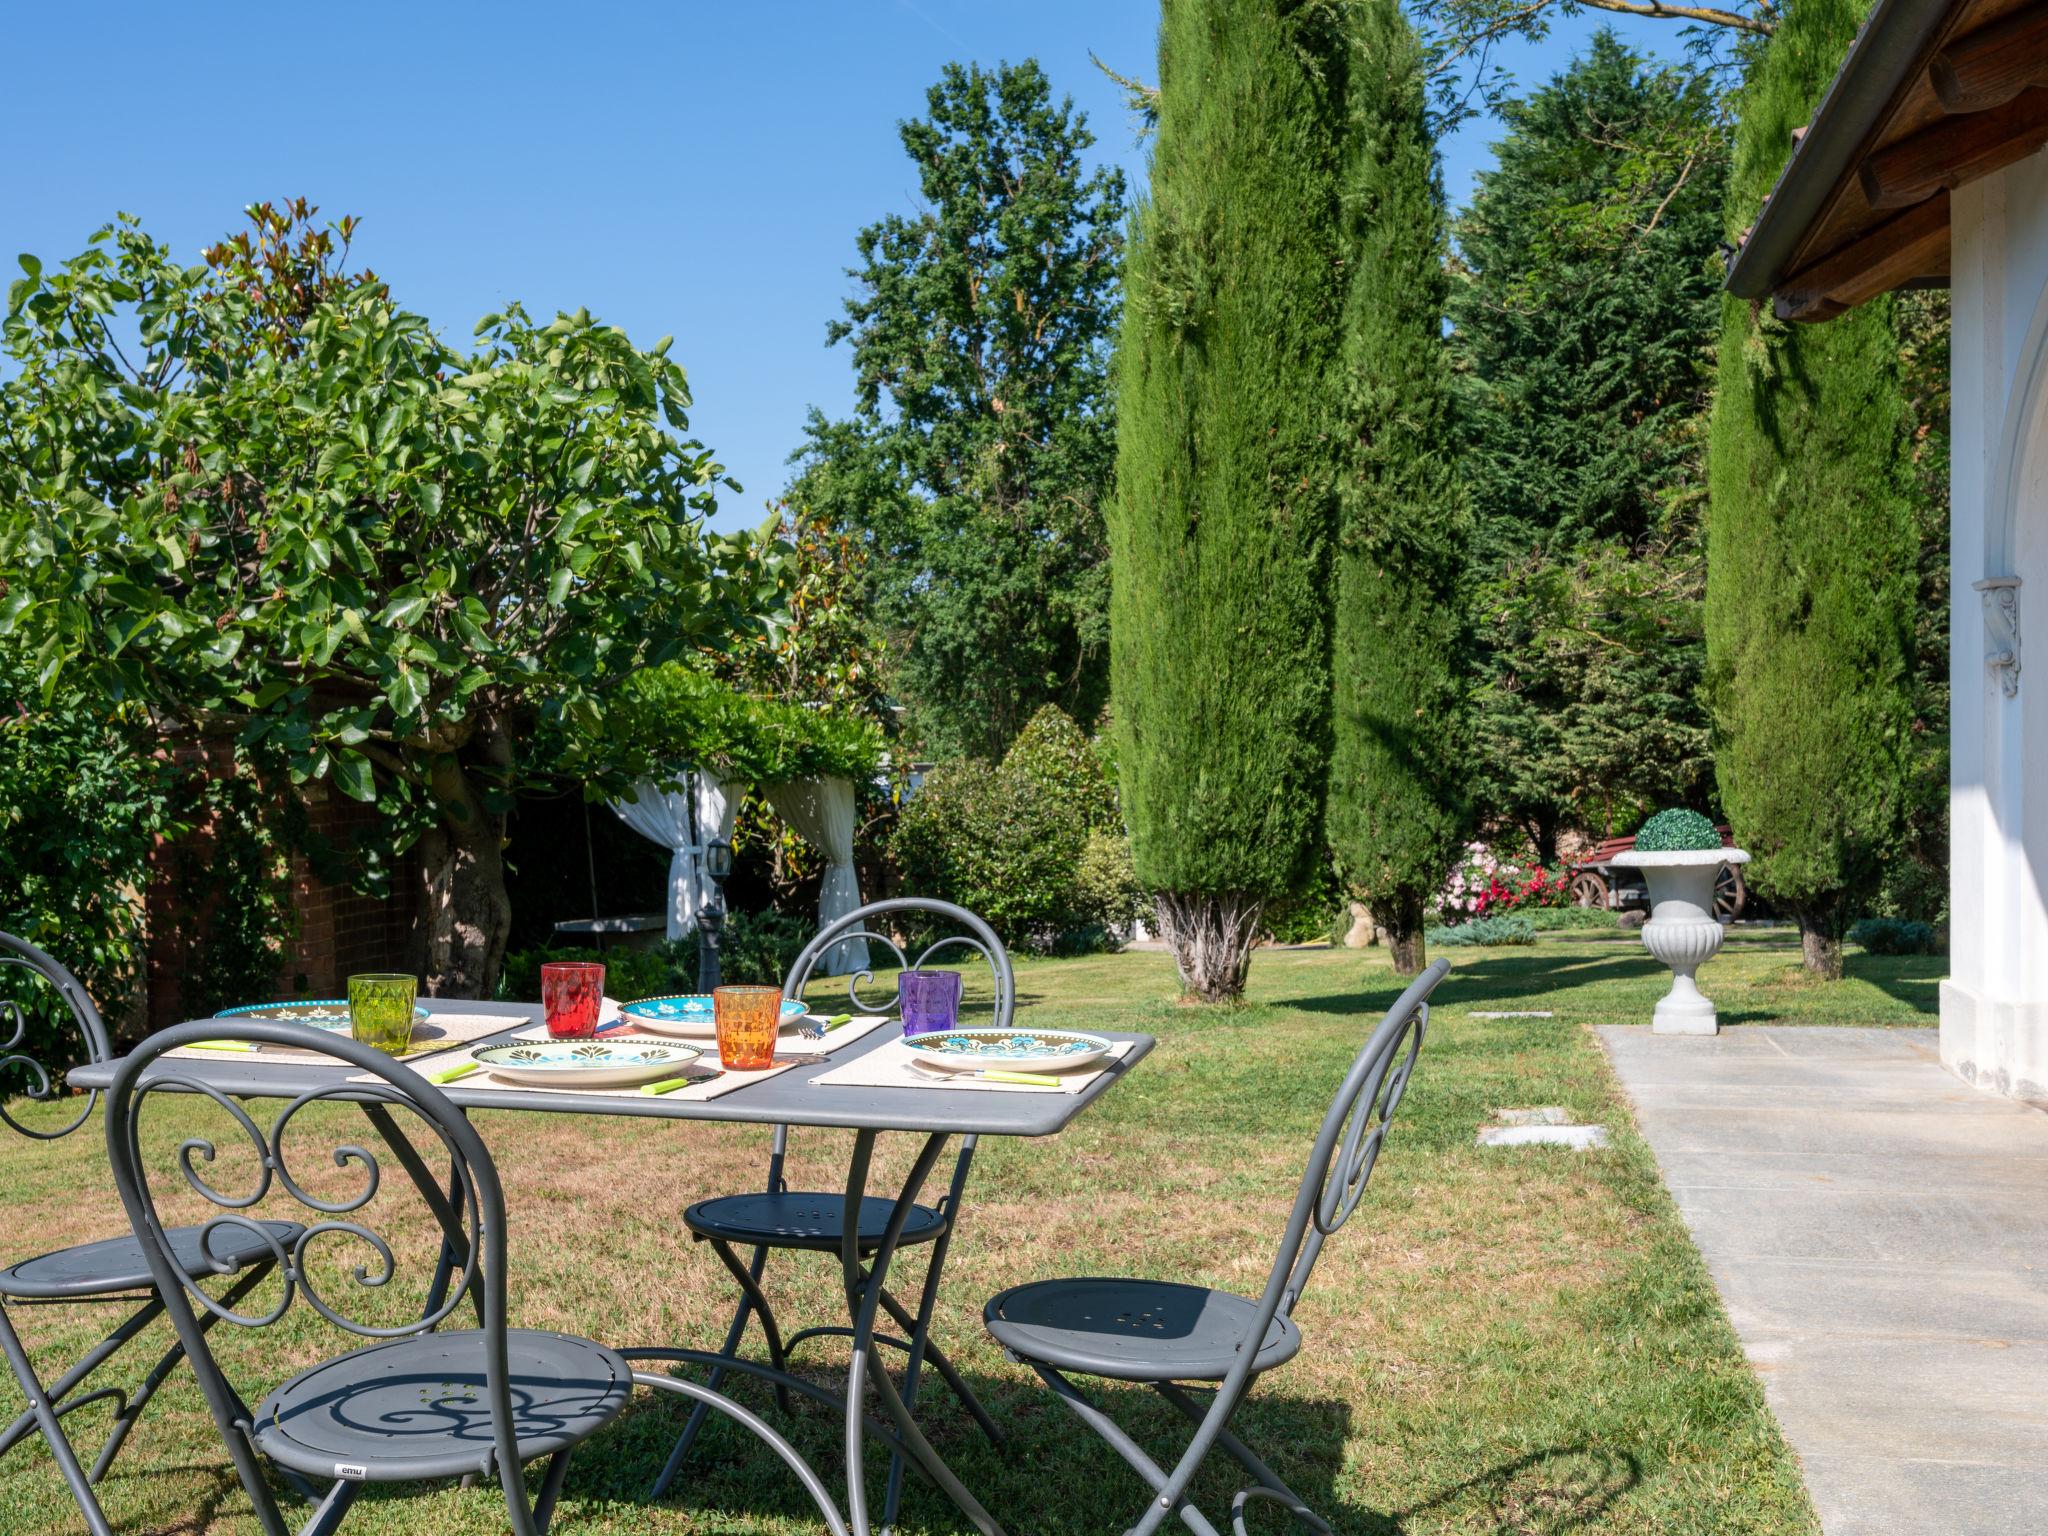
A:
931	1000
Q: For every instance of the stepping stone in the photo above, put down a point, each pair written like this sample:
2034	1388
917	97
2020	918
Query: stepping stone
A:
1532	1013
1549	1114
1584	1137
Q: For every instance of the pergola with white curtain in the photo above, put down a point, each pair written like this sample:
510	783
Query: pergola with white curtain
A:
703	807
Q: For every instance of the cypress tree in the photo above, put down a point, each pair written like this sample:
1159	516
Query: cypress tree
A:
1395	817
1810	550
1219	539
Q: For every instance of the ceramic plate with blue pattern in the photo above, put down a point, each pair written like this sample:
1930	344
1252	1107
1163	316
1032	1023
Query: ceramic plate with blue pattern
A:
690	1016
1042	1050
317	1013
573	1064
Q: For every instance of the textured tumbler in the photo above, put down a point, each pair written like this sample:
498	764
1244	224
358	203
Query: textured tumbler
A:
748	1020
931	1000
380	1008
570	994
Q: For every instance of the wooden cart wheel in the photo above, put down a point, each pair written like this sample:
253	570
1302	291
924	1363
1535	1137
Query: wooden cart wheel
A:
1729	893
1589	889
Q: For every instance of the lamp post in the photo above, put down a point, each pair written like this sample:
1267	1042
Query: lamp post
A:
717	866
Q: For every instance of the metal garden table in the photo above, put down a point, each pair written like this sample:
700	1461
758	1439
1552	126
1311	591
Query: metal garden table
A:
793	1098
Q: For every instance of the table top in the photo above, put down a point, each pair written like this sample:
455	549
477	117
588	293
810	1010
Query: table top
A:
788	1098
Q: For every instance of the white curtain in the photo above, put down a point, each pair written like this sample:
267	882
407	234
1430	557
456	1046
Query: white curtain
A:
663	816
820	811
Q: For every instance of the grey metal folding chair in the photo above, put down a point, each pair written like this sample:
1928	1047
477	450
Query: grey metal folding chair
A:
805	1221
412	1403
46	1011
1166	1334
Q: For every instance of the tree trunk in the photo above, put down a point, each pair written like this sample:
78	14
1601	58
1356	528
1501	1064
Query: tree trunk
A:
1820	946
465	914
1402	917
1211	935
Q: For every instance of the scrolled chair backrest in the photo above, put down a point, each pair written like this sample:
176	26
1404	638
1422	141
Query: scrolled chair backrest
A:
962	935
469	1208
36	990
1347	1145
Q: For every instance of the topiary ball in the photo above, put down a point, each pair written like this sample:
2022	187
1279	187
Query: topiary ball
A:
1676	831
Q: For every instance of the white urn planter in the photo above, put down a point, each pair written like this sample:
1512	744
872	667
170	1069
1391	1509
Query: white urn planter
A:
1682	931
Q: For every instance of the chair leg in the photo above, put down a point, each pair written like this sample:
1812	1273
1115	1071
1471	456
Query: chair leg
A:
1271	1485
949	1373
550	1490
750	1285
46	1418
1133	1454
131	1410
327	1518
701	1410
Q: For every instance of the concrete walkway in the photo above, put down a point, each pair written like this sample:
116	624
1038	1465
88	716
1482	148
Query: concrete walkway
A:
1879	1232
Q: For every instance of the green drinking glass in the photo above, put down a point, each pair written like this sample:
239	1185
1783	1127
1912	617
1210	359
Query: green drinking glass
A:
380	1009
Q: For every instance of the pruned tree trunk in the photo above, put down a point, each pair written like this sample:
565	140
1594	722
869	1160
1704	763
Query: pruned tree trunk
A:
1211	935
465	915
1403	920
1820	946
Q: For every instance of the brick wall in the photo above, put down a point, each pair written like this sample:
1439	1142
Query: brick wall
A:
339	931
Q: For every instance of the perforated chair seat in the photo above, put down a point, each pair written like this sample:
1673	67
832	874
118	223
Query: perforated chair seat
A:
1133	1330
117	1264
805	1220
415	1408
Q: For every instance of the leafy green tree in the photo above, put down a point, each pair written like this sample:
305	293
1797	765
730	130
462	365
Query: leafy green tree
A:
285	513
1396	811
1811	551
1584	308
1226	462
981	451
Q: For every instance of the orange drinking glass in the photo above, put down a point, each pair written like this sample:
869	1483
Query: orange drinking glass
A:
748	1019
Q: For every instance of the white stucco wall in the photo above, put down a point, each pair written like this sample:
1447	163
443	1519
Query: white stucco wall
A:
1994	1006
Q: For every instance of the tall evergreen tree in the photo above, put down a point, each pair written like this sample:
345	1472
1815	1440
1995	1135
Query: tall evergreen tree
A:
1584	315
981	451
1811	550
1395	812
1226	454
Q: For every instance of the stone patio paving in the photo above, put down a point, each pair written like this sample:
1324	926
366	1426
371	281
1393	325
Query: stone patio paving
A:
1879	1232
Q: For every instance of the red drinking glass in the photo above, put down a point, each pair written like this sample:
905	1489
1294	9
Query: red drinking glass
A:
570	994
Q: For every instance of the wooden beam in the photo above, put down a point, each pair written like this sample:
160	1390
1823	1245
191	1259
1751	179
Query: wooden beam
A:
1990	66
1955	150
1911	248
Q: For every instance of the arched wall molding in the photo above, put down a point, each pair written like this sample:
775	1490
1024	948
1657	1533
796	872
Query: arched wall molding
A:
2022	457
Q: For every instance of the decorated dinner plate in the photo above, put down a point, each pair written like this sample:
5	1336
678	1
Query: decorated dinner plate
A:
319	1013
1042	1050
572	1064
690	1016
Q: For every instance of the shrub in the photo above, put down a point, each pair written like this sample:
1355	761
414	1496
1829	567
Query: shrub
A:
1487	885
758	948
1677	831
1895	936
1030	844
1511	929
1308	913
628	973
1552	919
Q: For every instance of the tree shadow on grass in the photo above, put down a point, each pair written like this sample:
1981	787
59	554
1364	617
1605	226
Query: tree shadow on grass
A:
1057	1477
1914	980
1497	979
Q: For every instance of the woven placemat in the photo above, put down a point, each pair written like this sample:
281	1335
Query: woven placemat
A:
708	1079
889	1066
438	1032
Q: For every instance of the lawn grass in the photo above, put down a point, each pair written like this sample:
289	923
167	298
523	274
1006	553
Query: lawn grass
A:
1500	1342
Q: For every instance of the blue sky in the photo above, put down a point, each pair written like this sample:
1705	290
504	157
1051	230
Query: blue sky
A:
688	168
